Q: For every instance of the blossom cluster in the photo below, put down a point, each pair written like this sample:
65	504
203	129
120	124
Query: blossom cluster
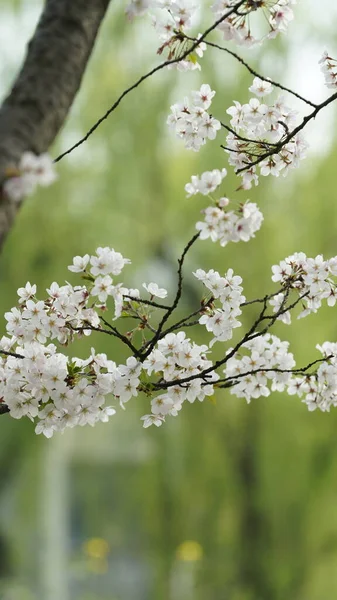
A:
319	390
222	225
259	135
256	373
31	172
175	358
46	385
55	391
329	70
206	184
227	291
172	20
39	382
236	27
311	278
68	309
191	121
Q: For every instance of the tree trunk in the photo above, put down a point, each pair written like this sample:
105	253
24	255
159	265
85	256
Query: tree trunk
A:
36	108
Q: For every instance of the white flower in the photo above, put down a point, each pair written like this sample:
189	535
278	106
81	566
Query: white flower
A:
102	288
260	87
32	171
107	262
156	420
254	111
206	183
25	293
191	122
154	290
79	263
41	167
329	70
203	97
17	188
137	8
230	226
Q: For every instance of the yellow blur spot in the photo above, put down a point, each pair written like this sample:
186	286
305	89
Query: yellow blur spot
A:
96	548
189	550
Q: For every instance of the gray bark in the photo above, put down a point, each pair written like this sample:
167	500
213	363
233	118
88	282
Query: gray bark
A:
38	104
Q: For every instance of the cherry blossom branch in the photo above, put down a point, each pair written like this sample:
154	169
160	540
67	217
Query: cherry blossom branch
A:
250	335
63	391
132	87
299	371
219	363
291	135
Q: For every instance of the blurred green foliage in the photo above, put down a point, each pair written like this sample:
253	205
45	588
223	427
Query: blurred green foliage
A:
229	501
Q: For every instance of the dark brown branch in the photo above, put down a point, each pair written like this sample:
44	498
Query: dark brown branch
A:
301	370
11	354
175	303
148	302
36	108
260	300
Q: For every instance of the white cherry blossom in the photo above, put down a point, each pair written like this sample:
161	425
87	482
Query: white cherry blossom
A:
155	290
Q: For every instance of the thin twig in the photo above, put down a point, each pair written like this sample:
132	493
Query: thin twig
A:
177	297
148	302
248	140
255	73
259	300
122	337
275	370
183	322
240	152
143	320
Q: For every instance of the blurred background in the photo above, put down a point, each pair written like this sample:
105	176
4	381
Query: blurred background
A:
228	501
